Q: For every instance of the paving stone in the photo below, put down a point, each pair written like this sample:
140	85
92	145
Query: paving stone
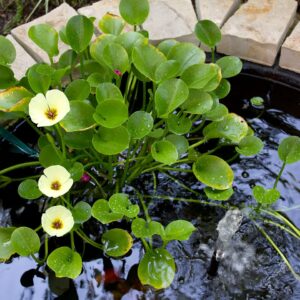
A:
23	60
290	51
57	18
167	19
256	31
217	11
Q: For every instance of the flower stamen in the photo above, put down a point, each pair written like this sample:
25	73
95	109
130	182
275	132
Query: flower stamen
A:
55	185
51	114
57	224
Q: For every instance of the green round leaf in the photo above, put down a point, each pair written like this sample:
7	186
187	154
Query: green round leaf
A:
25	241
166	70
134	12
208	33
198	102
76	170
206	77
65	262
50	156
79	118
249	145
180	142
46	37
164	152
213	171
6	247
232	127
157	268
169	95
143	229
39	81
111	113
119	203
68	58
78	90
230	66
265	196
179	124
217	113
28	189
79	32
257	101
117	242
218	195
140	124
81	212
7	78
223	89
102	212
289	149
180	230
156	133
79	139
111	141
111	24
186	54
7	51
107	91
166	45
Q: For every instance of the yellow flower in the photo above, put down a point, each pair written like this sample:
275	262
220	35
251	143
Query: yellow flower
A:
57	221
49	110
55	182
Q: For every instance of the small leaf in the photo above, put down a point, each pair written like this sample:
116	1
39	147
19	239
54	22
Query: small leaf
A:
218	195
79	139
217	113
78	90
164	152
25	241
119	203
230	66
166	45
180	142
134	12
180	230
46	37
111	24
38	79
117	242
65	262
179	124
198	102
223	89
111	141
166	70
289	149
265	196
28	189
208	33
76	171
143	229
102	212
6	247
50	156
213	171
257	101
107	91
249	145
140	124
7	51
81	212
7	78
157	268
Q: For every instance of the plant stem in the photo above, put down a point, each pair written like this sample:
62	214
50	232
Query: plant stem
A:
72	240
198	143
279	175
98	184
20	166
63	145
88	240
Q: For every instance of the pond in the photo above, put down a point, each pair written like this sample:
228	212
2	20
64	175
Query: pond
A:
250	268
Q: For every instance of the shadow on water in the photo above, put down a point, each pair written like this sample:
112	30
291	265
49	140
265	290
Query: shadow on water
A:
249	269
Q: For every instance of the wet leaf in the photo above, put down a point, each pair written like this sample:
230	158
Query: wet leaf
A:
108	91
164	152
6	247
140	124
198	102
180	142
265	196
217	113
179	124
76	171
119	203
180	230
143	229
81	212
249	145
79	139
102	212
289	149
219	195
257	101
166	70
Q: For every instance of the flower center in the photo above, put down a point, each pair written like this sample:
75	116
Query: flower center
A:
57	224
55	185
51	113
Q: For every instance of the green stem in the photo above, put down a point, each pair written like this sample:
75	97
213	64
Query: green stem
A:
98	184
124	176
198	143
39	132
279	175
146	246
72	240
63	145
88	240
81	65
213	54
20	166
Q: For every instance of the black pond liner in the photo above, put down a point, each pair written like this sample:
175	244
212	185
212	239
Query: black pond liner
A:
250	269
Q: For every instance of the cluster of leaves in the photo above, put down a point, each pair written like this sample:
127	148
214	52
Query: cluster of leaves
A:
134	109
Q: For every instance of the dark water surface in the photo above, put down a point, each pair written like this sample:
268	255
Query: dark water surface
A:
250	269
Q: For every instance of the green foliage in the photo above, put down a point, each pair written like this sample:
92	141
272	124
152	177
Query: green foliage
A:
6	247
230	66
81	212
139	124
249	145
164	152
7	78
78	90
289	149
28	189
111	24
144	229
134	12
265	196
7	51
208	33
219	195
103	213
179	230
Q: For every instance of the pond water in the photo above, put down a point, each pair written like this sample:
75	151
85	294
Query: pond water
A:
249	269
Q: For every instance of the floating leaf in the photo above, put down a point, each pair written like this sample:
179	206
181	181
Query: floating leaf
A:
119	203
111	141
28	189
249	145
14	99
140	124
208	33
230	66
78	90
6	247
219	195
265	196
213	171
157	268
102	212
107	91
81	212
25	241
169	95
164	152
180	230
134	12
65	262
257	101
289	149
143	229
198	102
179	124
117	242
7	51
111	24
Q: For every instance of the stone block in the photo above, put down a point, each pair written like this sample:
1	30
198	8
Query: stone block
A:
290	51
23	60
57	18
257	29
